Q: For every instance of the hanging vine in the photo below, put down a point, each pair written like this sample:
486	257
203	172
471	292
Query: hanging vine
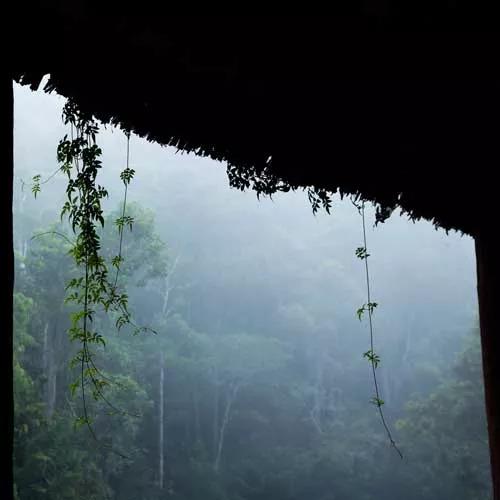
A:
94	290
369	307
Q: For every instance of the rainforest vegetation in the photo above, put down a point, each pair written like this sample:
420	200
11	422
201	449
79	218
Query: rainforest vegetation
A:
249	382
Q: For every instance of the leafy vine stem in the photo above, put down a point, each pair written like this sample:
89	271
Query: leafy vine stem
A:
93	291
369	307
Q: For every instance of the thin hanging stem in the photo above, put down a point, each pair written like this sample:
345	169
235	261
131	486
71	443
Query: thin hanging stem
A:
80	154
372	359
123	215
40	182
56	233
85	354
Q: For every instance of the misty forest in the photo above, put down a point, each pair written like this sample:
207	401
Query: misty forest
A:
233	360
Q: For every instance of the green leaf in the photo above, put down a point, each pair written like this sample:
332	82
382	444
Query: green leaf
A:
378	402
372	357
361	253
360	312
73	387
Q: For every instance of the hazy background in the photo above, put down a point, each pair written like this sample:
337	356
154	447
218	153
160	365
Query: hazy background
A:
258	342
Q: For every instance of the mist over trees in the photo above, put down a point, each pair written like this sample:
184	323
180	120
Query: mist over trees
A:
254	385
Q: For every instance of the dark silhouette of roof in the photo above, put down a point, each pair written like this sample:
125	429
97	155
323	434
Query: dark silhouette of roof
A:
399	106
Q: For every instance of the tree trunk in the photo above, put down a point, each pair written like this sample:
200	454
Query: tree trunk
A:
215	420
488	286
52	387
196	415
7	260
49	370
45	359
225	420
161	424
317	410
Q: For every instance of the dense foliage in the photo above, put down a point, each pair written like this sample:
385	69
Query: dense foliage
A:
247	413
254	386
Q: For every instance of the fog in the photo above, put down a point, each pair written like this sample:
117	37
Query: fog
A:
253	384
